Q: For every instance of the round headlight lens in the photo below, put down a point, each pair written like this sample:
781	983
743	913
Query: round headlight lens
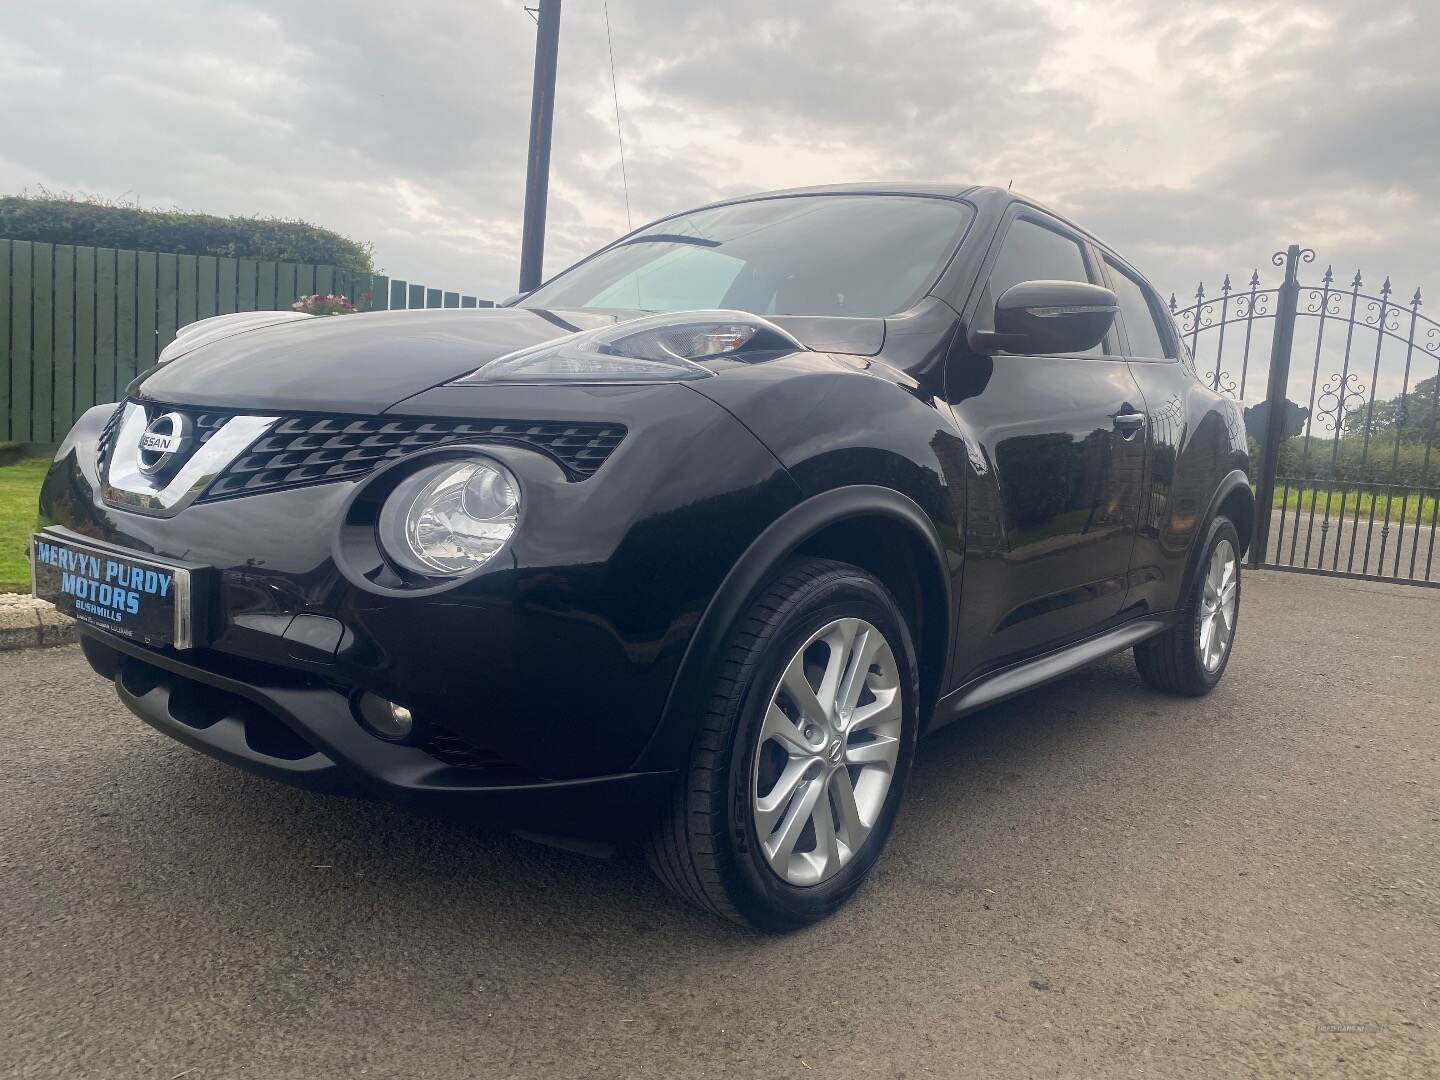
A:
450	517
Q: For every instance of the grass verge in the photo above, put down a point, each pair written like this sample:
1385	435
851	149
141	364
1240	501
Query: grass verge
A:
1413	506
19	495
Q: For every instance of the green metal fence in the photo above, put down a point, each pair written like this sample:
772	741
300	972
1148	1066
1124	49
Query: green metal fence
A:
78	323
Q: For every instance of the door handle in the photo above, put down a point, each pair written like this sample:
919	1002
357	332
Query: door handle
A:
1128	423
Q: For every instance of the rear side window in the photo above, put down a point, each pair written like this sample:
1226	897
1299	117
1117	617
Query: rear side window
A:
1147	339
1032	252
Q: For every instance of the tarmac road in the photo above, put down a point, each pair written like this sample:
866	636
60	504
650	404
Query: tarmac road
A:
1090	881
1394	549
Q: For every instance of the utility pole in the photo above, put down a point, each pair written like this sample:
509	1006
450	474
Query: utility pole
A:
537	169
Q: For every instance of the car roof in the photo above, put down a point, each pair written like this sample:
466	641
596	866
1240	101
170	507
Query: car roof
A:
869	187
984	197
873	187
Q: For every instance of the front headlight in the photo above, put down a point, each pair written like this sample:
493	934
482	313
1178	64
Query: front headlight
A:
654	348
450	517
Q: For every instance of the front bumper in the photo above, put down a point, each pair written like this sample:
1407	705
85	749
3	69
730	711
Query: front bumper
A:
553	667
303	732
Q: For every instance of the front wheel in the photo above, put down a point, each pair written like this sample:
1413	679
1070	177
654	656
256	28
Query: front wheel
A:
802	755
1191	656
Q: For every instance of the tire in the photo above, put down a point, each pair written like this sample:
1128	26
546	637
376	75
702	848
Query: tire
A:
707	845
1178	661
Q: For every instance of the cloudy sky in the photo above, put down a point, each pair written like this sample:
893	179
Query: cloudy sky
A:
1197	138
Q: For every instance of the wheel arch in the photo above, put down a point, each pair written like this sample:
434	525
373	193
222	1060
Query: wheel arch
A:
876	528
1235	500
1239	506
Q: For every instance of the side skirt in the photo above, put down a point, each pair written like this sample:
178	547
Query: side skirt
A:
1017	678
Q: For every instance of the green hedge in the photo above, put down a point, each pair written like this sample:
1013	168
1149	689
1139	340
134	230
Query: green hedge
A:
93	223
1349	461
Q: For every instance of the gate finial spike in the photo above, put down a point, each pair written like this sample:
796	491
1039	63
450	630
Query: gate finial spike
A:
1329	275
1415	300
1386	290
1254	279
1172	303
1225	285
1357	282
1200	292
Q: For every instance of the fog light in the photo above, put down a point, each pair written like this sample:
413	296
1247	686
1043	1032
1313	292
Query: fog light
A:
385	719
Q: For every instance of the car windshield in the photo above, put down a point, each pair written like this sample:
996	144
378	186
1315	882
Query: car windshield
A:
856	255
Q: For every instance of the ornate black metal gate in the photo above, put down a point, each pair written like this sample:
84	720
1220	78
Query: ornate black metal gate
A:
1345	442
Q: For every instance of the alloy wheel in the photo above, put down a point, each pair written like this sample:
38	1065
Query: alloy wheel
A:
1217	606
827	751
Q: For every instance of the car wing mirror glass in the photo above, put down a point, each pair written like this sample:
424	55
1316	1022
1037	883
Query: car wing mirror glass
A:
1050	317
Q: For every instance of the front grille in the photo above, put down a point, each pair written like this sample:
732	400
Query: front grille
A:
107	434
317	450
304	450
205	425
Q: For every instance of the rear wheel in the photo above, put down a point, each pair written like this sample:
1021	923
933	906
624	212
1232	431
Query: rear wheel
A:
802	755
1191	656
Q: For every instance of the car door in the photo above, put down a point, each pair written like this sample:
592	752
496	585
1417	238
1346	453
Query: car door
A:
1057	466
1168	516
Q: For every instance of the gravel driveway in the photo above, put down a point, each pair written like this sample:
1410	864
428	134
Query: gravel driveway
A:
1090	881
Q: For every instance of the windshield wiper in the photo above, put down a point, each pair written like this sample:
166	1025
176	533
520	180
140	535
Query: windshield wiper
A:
671	238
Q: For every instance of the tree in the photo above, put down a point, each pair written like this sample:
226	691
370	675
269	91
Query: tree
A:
1410	415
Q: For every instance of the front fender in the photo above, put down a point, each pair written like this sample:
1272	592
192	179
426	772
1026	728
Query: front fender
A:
781	539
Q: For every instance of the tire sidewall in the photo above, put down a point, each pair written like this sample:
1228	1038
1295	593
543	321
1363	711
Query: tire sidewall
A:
1220	529
768	900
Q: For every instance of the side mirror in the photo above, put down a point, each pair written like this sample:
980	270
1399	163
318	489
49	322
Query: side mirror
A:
1048	317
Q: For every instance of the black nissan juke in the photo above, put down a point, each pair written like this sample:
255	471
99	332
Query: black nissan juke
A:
689	545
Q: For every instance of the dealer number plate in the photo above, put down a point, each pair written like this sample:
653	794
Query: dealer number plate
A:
137	598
